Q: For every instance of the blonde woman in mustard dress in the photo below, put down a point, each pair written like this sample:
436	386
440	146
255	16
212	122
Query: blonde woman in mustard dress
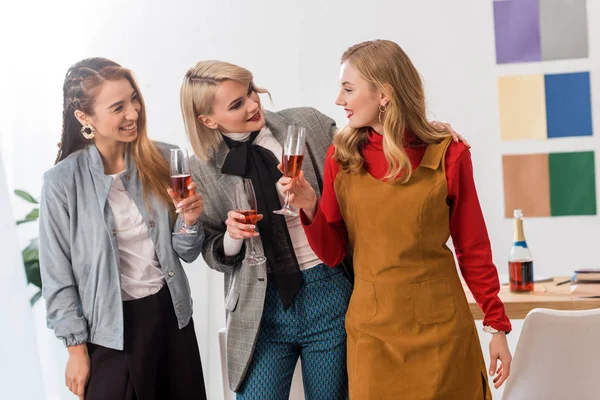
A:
395	190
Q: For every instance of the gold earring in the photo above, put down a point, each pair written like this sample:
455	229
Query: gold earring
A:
382	110
88	131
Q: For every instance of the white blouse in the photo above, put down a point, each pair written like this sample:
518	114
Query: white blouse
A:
141	275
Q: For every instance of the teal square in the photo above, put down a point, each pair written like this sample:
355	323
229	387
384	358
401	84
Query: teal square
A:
572	183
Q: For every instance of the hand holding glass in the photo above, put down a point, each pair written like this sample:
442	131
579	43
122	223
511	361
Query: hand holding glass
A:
245	203
292	158
181	178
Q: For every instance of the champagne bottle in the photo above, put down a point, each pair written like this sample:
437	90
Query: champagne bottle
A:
520	262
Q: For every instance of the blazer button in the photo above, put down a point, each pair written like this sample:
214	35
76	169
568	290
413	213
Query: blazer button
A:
114	232
127	177
171	273
179	308
152	224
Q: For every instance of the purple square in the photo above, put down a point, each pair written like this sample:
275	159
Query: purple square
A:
517	29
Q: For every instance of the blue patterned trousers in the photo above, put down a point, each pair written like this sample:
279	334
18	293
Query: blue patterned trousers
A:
313	329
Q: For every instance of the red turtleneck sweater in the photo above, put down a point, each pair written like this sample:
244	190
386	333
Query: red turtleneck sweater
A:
328	237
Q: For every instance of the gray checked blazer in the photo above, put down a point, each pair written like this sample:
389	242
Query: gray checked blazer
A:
245	286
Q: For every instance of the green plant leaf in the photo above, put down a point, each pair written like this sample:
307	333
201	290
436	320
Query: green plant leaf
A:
32	270
32	216
35	298
31	252
26	196
30	255
31	261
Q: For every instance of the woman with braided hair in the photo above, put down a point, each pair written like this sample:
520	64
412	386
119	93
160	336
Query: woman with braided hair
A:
116	292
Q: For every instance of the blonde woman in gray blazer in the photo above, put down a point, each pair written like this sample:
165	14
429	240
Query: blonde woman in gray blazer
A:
293	305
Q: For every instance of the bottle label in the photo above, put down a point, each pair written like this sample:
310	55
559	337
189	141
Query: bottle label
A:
521	276
520	244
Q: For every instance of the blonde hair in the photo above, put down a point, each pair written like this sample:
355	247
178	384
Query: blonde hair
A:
385	66
79	93
198	90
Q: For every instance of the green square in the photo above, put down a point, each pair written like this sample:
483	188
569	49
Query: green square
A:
572	183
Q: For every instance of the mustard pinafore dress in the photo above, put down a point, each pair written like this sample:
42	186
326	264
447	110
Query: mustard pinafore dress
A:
411	334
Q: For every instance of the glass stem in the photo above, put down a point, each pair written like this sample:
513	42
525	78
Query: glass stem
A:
252	251
183	217
287	201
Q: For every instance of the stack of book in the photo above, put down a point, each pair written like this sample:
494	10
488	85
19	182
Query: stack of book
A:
586	283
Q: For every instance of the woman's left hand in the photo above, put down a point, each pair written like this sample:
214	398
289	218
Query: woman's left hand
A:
457	137
499	351
191	205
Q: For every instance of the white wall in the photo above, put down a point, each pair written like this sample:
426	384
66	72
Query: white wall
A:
293	48
20	369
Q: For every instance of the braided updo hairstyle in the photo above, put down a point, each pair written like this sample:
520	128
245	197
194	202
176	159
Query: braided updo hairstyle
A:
82	84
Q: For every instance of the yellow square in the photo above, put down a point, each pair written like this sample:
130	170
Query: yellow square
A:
522	106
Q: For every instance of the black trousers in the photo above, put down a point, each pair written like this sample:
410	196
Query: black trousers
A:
159	360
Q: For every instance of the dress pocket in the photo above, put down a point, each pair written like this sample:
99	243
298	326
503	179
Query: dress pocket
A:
433	301
363	303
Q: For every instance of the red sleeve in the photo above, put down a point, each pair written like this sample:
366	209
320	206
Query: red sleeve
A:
470	238
327	234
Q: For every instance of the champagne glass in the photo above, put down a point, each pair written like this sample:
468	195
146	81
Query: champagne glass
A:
181	178
245	203
292	158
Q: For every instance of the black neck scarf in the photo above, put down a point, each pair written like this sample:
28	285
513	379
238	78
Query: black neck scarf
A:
260	166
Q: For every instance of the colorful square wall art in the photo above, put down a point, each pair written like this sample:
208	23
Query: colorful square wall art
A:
555	184
540	30
536	107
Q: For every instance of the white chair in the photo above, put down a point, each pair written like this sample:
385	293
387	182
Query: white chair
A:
296	392
557	357
228	394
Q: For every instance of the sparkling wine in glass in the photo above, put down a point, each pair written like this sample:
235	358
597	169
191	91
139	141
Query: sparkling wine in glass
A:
245	204
181	178
292	158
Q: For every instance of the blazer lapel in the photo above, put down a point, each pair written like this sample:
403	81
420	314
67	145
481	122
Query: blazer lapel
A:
227	182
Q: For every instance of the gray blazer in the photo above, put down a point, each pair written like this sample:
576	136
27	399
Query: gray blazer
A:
79	256
245	287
